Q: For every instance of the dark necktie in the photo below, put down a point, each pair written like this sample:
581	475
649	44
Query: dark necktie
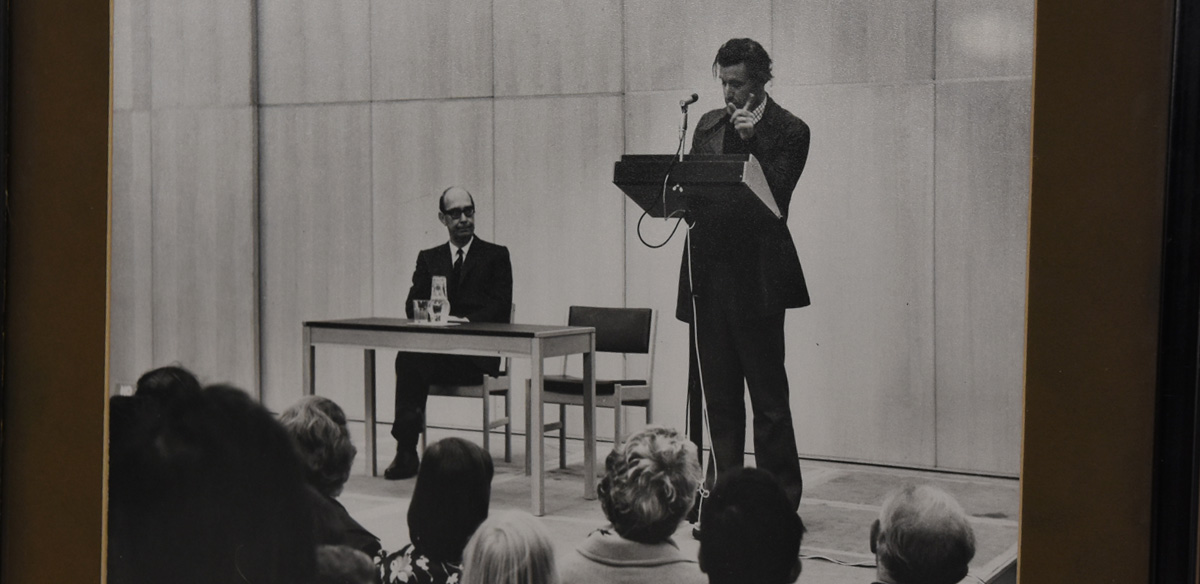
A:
454	278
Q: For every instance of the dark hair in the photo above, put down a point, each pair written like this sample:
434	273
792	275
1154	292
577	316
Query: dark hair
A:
167	382
205	487
749	530
748	51
339	564
442	199
923	536
450	500
317	426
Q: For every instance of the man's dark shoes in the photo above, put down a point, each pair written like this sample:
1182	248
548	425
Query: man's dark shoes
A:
404	466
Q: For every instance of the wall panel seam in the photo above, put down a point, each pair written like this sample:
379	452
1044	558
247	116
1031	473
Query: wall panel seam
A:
933	52
933	273
256	221
492	104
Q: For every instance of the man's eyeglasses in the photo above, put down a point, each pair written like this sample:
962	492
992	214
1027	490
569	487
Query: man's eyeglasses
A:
460	212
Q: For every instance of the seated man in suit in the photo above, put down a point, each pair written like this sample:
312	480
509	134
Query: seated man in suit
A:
479	287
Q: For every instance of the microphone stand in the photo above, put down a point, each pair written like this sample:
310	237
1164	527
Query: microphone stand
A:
682	129
683	106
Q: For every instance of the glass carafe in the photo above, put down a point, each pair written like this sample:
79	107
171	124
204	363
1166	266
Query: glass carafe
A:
439	300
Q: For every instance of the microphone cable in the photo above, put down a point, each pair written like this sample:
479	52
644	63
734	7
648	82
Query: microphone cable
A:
666	179
706	430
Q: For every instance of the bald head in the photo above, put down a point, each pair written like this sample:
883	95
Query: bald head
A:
457	193
456	210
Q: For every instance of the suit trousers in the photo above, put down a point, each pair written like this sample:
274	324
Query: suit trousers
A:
737	353
415	372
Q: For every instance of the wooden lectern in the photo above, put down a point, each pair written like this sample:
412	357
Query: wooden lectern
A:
698	183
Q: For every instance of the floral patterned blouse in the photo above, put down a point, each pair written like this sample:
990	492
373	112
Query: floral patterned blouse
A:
411	566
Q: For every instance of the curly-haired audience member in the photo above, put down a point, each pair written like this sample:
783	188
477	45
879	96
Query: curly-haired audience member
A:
921	537
450	500
318	429
649	485
511	548
751	531
204	488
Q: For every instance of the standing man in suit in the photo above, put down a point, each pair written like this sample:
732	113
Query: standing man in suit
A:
479	286
741	271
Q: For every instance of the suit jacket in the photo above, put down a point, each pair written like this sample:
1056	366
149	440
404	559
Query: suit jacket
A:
743	257
333	525
483	294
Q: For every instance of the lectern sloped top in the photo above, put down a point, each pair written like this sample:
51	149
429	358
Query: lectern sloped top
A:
696	183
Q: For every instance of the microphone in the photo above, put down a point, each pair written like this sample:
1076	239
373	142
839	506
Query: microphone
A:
684	103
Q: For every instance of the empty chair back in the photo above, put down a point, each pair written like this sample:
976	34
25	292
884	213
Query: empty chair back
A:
618	330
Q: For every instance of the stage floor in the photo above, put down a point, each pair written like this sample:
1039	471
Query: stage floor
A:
840	502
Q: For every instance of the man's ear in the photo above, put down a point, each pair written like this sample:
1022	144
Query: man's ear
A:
875	537
442	217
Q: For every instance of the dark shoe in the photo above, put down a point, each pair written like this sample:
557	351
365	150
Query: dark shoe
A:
404	466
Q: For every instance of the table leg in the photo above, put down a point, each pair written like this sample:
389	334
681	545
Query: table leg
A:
309	359
536	429
369	401
589	420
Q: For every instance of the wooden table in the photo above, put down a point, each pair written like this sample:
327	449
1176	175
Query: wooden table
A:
535	342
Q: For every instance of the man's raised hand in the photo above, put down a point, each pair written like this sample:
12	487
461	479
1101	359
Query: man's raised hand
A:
741	118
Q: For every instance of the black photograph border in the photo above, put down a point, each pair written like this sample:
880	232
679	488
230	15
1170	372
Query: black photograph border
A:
1177	443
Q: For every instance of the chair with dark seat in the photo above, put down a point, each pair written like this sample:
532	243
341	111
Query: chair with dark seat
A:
618	330
501	385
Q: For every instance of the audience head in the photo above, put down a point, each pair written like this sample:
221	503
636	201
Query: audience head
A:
208	489
318	429
510	548
339	564
450	499
649	484
456	210
167	382
922	536
750	531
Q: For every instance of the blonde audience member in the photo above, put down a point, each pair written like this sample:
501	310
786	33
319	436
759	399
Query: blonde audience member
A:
511	548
